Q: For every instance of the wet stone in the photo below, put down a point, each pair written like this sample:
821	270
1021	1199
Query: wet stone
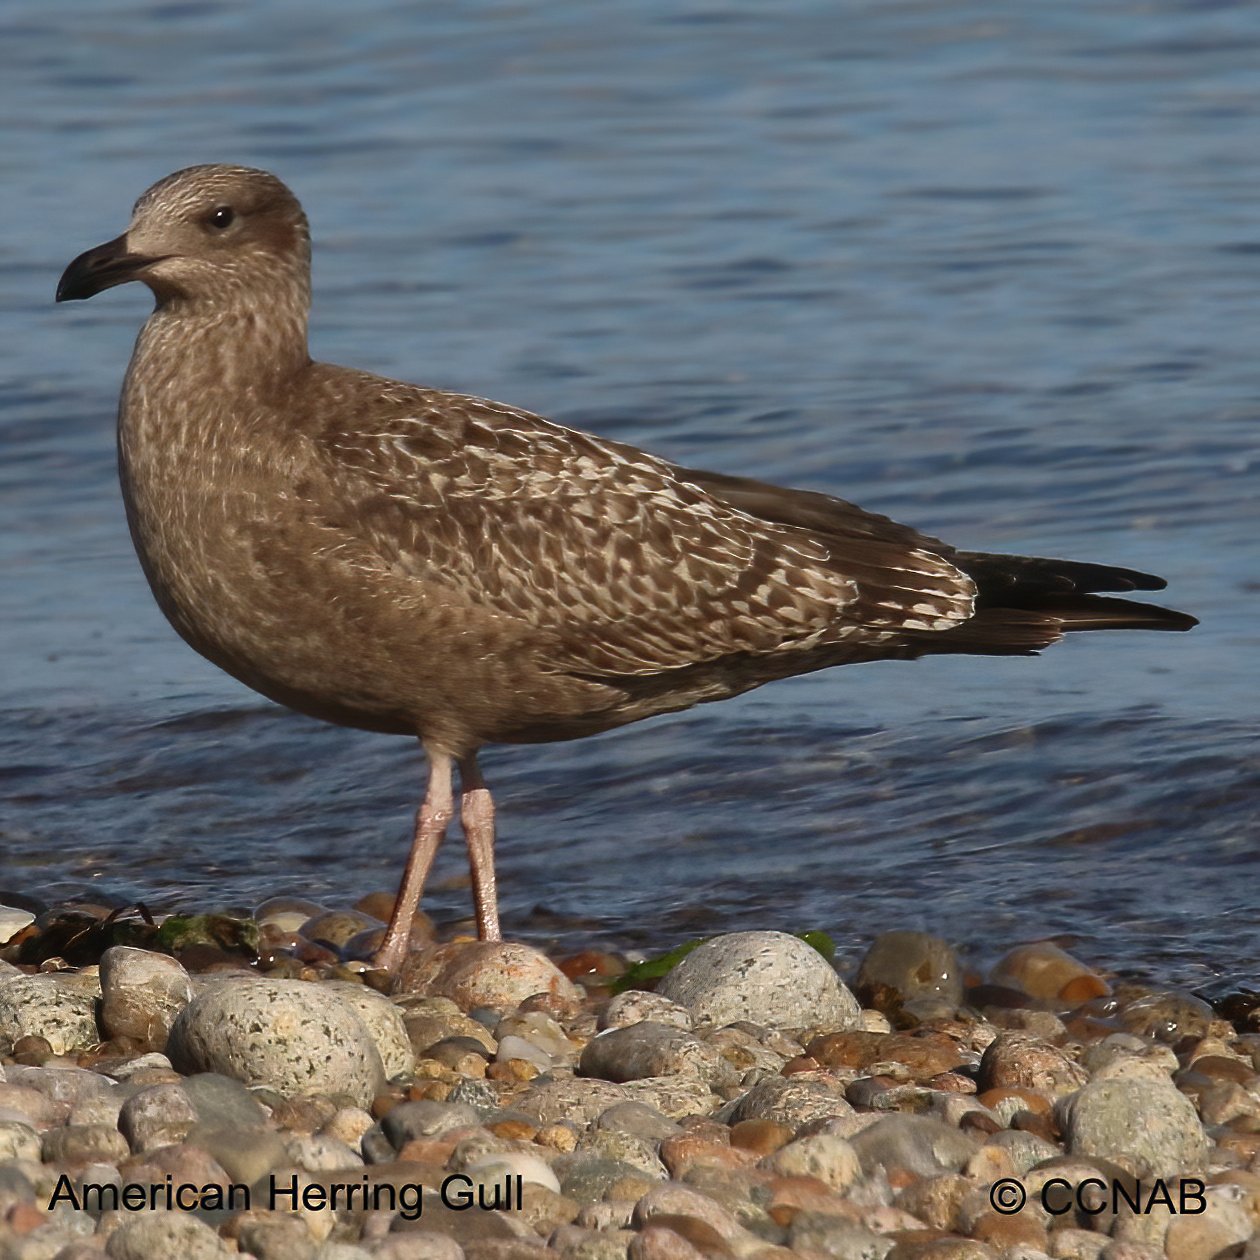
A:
1168	1016
1045	971
335	927
905	968
141	994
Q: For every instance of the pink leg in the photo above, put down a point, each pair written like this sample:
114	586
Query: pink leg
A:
476	814
432	819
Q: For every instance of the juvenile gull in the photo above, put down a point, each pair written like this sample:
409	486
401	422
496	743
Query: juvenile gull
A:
422	563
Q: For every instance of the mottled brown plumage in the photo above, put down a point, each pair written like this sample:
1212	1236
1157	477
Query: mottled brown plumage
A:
417	562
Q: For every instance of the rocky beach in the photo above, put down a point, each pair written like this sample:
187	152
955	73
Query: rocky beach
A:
229	1086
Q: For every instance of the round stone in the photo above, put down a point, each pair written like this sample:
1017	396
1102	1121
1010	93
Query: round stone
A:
766	978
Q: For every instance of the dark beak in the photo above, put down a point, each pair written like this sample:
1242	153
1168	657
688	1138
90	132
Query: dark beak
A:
101	268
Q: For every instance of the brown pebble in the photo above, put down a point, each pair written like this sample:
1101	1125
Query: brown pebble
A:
923	1057
516	1130
22	1218
1032	1100
1005	1232
303	1115
761	1137
385	1102
557	1137
978	1122
32	1051
952	1083
1043	970
434	1151
802	1063
683	1151
513	1070
1031	1122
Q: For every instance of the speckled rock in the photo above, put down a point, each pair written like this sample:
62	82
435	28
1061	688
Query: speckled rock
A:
829	1159
18	1141
767	978
141	994
499	974
792	1101
1017	1059
1151	1122
634	1006
384	1022
154	1235
293	1036
59	1007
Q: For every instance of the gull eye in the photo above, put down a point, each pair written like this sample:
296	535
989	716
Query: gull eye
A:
221	217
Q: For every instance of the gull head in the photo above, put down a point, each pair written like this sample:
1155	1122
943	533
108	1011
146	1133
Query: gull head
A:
212	235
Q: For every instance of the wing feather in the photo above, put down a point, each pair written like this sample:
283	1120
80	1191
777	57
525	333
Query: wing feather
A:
623	563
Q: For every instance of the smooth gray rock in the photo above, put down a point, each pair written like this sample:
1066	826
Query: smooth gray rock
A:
158	1115
650	1049
766	978
919	1145
223	1103
290	1035
59	1007
425	1119
141	994
639	1120
1147	1120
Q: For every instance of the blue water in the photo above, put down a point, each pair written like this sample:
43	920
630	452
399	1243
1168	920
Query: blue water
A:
991	271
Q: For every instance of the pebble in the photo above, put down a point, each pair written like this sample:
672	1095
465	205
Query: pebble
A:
719	1121
141	994
59	1007
766	978
294	1036
485	973
650	1049
1153	1123
905	974
1048	973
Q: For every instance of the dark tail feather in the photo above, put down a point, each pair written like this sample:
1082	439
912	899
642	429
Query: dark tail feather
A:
1022	581
1103	612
